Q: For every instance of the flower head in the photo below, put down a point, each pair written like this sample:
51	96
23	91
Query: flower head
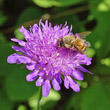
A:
46	62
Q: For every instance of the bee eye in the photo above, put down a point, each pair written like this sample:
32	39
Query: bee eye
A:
61	43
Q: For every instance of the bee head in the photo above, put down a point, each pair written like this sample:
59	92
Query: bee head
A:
61	43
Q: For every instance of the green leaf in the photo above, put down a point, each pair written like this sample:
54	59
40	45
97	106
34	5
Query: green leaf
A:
5	103
46	3
99	37
107	89
74	102
2	38
68	2
5	51
28	14
18	34
18	89
21	107
101	69
95	2
2	19
60	3
90	52
104	5
106	61
95	98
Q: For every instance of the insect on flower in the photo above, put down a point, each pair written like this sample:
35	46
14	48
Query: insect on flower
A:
75	41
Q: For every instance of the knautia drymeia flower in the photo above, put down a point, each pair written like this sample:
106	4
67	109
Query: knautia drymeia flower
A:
47	62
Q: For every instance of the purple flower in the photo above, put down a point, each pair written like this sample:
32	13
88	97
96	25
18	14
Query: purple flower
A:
47	62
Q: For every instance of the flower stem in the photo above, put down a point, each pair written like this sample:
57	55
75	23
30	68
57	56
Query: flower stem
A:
39	99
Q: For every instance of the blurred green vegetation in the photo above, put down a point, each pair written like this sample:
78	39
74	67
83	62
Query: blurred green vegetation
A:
84	15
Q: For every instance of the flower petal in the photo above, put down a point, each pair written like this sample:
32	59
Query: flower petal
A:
46	88
39	81
30	67
18	49
55	84
16	58
32	76
88	61
25	32
20	42
12	58
73	84
83	69
77	75
66	82
24	59
58	78
35	28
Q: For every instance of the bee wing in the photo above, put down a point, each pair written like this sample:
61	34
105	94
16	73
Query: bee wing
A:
87	43
84	34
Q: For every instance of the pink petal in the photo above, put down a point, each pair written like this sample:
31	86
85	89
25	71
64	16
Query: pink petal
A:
78	75
55	84
16	58
46	88
12	58
66	82
32	76
30	67
25	32
18	49
35	28
39	81
20	42
73	84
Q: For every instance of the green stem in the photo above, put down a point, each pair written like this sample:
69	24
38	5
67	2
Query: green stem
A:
51	17
39	99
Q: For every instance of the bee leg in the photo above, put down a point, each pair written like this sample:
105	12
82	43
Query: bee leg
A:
82	51
72	47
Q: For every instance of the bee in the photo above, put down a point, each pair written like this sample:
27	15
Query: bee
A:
76	41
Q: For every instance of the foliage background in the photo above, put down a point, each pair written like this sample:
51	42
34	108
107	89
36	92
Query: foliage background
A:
83	15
